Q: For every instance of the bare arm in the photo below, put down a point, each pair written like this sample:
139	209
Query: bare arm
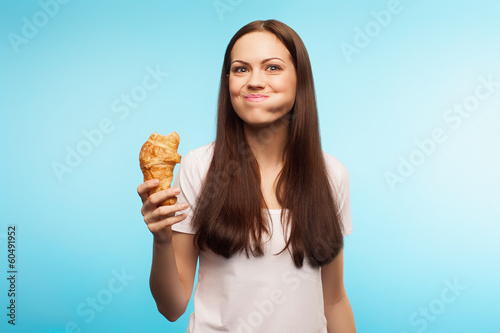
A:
174	255
338	312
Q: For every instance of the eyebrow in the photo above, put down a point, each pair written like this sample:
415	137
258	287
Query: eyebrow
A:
263	61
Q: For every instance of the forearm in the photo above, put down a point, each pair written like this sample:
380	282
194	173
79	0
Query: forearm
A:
165	283
339	317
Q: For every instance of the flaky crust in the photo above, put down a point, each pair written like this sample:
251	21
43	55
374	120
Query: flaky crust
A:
157	159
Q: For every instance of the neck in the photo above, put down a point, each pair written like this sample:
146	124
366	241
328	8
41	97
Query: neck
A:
268	143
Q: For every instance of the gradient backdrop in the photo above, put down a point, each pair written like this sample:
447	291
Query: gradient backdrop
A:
409	101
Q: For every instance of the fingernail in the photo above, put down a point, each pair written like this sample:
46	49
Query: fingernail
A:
176	190
184	205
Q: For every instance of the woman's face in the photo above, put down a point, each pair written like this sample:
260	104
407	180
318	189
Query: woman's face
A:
262	79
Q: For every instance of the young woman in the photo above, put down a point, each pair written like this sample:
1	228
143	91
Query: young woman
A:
262	207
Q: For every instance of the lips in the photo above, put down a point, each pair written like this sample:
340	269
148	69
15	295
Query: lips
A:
255	97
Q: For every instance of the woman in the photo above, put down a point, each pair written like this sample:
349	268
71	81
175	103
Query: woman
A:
262	207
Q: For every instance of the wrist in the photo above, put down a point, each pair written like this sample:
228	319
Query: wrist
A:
161	241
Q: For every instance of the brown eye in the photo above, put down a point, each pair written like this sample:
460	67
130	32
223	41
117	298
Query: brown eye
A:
239	70
273	68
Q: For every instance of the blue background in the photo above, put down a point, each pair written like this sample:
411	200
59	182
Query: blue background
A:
438	225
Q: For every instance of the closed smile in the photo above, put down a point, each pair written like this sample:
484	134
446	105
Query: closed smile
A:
255	97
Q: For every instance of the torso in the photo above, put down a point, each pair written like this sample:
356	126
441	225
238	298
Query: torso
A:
241	293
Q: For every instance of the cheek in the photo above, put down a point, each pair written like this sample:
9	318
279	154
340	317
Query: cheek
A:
285	85
292	84
234	92
234	87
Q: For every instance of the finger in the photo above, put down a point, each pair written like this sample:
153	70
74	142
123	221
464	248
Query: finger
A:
159	197
164	212
155	199
144	188
158	226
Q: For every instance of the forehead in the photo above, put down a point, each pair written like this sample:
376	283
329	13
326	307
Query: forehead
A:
259	45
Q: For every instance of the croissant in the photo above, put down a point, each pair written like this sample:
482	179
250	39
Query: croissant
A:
157	158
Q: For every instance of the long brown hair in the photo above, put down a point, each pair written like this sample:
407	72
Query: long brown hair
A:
229	215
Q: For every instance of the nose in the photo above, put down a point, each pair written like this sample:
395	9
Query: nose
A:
256	80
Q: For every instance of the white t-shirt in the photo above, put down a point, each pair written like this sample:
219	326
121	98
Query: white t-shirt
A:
257	294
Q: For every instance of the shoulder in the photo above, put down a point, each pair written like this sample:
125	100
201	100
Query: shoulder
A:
194	166
336	169
190	175
199	156
192	170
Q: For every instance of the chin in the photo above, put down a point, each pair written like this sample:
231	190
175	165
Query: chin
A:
259	123
260	118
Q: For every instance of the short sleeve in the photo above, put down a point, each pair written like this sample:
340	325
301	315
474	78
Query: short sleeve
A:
189	179
340	177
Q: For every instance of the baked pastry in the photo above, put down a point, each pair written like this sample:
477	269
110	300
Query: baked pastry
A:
157	158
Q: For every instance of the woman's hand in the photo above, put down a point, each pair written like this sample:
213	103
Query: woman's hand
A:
159	219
